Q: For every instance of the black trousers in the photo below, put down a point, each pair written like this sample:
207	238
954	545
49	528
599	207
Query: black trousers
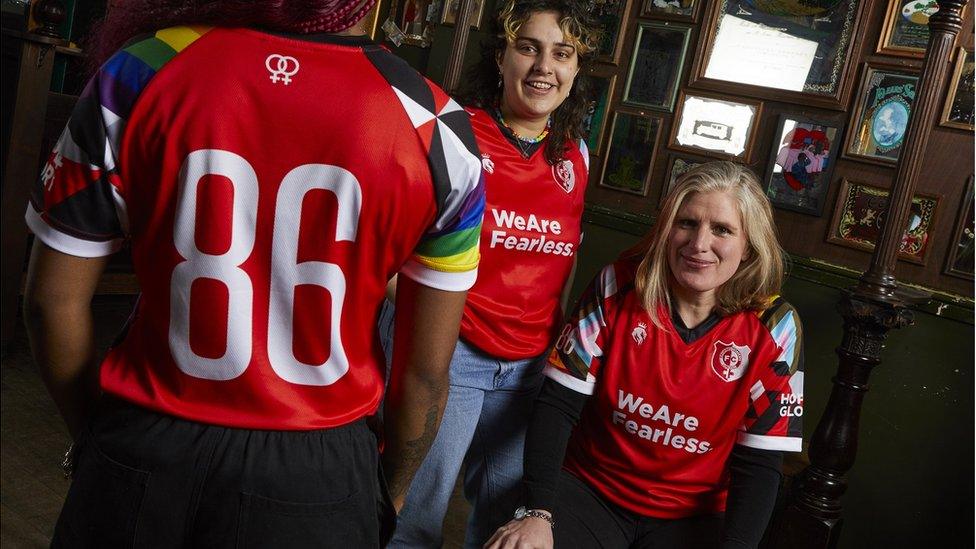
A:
585	520
144	479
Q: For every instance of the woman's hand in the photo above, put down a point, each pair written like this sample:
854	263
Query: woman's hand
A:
528	533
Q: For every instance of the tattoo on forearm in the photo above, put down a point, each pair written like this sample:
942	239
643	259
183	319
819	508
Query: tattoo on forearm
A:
414	452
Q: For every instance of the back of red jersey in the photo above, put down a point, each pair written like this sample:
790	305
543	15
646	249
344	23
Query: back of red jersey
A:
270	187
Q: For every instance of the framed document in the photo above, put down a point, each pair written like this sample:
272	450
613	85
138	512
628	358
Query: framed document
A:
860	211
630	154
788	50
596	117
674	10
451	8
800	164
610	17
656	65
906	27
715	126
882	110
960	259
677	166
958	109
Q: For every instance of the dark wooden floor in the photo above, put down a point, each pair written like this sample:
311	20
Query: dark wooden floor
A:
33	438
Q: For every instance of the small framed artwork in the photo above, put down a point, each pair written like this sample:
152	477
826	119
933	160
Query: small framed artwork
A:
800	164
630	154
451	8
716	126
960	261
678	165
610	17
595	121
408	23
906	27
674	10
958	110
882	110
861	210
656	65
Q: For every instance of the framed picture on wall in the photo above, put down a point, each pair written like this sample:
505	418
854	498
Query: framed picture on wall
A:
960	259
862	208
882	109
712	125
678	165
656	65
958	109
630	154
791	50
906	27
674	10
800	164
610	17
408	24
451	8
596	118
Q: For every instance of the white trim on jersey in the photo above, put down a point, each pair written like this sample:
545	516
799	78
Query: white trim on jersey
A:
766	442
66	243
449	282
570	382
585	151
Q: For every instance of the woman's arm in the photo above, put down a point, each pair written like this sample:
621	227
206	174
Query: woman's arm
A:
753	484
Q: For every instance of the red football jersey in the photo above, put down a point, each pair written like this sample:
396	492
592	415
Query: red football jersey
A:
656	436
529	238
269	187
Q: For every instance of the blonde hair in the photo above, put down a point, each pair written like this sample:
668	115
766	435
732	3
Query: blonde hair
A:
579	32
759	277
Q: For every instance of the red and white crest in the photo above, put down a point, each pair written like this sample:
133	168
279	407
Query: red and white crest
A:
729	360
562	172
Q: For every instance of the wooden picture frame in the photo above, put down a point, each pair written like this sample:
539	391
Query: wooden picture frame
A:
678	164
882	110
801	163
631	152
959	261
407	23
958	111
611	15
450	11
596	122
906	28
372	21
714	128
656	65
858	214
672	10
756	72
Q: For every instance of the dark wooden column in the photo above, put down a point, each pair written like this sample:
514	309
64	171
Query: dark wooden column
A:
26	131
459	43
873	307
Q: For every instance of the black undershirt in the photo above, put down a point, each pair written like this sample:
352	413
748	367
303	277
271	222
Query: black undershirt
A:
527	149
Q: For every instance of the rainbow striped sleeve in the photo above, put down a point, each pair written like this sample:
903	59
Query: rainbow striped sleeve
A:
77	205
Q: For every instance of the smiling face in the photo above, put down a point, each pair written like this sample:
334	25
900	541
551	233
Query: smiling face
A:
537	70
706	245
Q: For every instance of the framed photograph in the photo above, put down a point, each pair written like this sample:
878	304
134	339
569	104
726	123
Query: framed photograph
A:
596	119
715	126
674	10
882	109
790	50
677	166
958	110
656	65
860	211
960	261
630	154
610	16
906	27
800	164
408	23
451	8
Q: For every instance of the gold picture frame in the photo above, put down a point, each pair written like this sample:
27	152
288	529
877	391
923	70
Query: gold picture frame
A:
450	11
965	64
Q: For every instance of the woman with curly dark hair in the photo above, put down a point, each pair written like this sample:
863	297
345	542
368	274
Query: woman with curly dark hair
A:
528	101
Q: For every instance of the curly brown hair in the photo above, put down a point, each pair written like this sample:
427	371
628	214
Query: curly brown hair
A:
482	91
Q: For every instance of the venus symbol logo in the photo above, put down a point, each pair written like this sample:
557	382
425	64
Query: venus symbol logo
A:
281	67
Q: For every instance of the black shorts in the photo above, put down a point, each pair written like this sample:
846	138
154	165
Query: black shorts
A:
585	520
144	479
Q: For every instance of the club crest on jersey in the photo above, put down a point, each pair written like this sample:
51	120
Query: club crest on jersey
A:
281	67
562	172
487	164
729	360
639	333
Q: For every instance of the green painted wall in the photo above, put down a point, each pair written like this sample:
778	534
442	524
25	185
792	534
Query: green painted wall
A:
912	483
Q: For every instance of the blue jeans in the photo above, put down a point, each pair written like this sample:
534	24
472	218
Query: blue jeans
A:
483	428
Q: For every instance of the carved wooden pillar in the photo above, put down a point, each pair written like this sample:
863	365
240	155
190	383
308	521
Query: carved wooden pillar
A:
26	131
459	43
874	306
